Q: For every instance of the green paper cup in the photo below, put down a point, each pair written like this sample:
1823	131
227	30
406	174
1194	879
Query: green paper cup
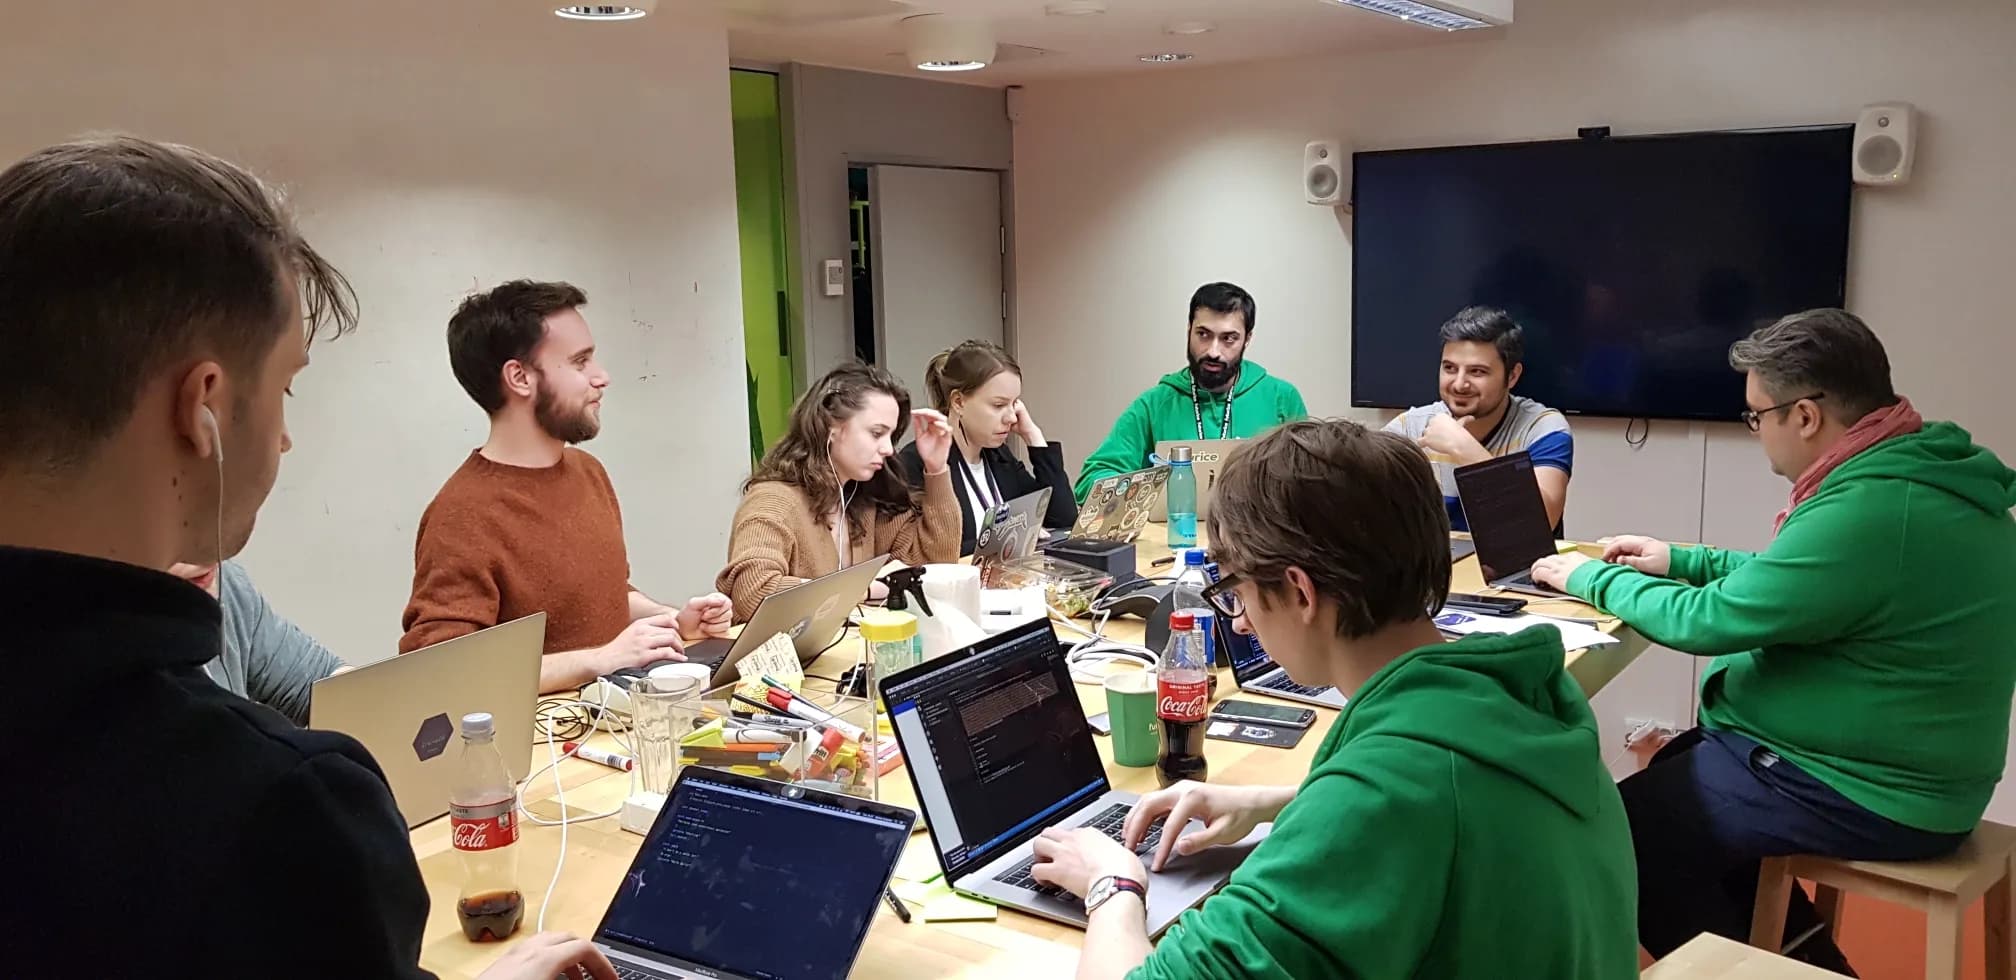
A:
1130	703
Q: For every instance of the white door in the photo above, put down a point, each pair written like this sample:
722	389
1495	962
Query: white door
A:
937	251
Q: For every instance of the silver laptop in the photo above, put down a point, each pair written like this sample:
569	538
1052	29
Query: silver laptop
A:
1206	456
752	879
1508	521
408	710
811	613
1010	531
1256	673
998	749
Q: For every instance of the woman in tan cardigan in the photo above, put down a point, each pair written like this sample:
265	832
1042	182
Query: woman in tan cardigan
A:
826	496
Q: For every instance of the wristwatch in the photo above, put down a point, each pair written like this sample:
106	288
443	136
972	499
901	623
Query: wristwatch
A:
1109	886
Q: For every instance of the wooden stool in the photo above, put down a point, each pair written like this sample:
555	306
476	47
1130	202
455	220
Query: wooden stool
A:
1942	888
1711	957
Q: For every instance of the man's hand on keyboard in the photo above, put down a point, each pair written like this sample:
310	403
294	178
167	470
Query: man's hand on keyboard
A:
1074	859
548	955
1229	813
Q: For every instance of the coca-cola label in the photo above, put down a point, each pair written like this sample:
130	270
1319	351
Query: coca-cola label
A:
483	827
1181	700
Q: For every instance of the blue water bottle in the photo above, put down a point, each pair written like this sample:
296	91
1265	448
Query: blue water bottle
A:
1182	499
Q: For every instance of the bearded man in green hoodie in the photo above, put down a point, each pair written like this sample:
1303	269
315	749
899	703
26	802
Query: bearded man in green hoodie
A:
1221	395
1857	705
1457	820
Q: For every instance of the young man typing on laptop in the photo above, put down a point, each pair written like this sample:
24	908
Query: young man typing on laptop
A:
1461	779
529	523
156	304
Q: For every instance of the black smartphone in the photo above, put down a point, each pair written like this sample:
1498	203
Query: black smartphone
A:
1488	605
1266	714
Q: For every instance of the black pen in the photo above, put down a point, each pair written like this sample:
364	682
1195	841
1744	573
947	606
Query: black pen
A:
1159	562
896	904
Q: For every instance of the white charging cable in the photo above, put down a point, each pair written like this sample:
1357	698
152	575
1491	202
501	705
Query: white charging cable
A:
554	758
1093	657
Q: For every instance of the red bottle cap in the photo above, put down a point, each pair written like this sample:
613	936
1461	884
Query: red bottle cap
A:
1182	620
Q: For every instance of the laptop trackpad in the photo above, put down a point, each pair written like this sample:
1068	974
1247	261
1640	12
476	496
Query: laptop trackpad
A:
1186	880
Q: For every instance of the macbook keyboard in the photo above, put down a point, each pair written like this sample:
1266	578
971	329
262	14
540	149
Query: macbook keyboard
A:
1111	822
1280	682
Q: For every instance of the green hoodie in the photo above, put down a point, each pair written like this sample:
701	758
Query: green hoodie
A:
1457	822
1260	402
1874	642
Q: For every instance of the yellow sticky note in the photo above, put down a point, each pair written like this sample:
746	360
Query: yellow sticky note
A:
706	736
952	907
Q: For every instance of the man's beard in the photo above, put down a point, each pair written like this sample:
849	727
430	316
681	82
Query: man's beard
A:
571	428
1211	372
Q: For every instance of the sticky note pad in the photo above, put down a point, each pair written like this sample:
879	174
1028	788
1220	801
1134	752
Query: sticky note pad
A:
936	902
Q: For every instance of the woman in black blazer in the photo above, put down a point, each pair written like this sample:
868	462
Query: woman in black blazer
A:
979	388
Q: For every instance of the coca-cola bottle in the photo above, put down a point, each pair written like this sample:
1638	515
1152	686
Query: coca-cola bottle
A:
1182	691
486	835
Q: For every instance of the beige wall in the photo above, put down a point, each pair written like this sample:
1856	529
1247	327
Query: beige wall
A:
432	148
1130	192
838	119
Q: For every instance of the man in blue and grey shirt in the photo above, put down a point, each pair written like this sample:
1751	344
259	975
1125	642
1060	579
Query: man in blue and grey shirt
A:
266	658
1479	418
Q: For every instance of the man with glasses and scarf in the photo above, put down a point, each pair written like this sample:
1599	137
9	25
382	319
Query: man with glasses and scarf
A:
1857	705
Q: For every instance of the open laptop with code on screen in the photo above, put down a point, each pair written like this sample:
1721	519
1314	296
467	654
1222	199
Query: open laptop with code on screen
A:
752	879
998	749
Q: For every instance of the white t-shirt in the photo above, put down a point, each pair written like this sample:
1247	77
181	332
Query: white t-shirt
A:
977	490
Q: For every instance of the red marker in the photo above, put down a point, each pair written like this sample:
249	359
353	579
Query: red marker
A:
610	759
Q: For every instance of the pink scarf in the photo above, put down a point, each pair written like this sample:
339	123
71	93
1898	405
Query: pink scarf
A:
1884	423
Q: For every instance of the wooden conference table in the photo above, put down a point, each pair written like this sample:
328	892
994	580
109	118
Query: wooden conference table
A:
1014	945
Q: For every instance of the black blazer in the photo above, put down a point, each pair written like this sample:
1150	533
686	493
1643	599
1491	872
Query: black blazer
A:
1012	477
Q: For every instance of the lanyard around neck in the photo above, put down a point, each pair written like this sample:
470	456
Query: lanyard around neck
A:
993	489
1197	406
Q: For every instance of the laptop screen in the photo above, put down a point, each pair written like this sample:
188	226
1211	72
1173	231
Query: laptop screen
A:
996	743
739	878
1508	520
1249	659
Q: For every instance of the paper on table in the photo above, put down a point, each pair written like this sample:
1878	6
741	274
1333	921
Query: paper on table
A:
918	863
777	658
937	902
1574	636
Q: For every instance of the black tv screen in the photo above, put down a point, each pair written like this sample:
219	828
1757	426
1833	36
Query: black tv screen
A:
1631	264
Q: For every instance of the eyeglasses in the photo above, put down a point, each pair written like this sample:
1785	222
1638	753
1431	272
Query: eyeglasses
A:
1221	597
1754	417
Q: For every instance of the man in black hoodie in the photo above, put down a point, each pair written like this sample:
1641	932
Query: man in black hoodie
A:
155	305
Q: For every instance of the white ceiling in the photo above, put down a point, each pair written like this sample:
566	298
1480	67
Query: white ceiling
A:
1034	45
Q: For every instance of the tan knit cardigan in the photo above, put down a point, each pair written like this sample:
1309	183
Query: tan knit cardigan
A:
778	542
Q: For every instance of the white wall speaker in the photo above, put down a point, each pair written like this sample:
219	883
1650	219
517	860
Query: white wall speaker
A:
1886	144
1323	173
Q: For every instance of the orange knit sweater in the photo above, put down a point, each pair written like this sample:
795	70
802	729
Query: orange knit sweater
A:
500	542
778	542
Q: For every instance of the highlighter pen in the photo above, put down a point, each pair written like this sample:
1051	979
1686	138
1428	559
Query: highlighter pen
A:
784	701
767	708
611	759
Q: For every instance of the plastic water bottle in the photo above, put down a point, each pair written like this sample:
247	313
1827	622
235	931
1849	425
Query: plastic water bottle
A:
1182	499
1191	582
480	805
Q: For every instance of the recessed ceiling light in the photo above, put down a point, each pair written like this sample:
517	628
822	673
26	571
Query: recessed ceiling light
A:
1188	27
602	11
1167	57
1074	8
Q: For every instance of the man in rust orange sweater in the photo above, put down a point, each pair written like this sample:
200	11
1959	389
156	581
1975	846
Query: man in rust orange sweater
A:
530	523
